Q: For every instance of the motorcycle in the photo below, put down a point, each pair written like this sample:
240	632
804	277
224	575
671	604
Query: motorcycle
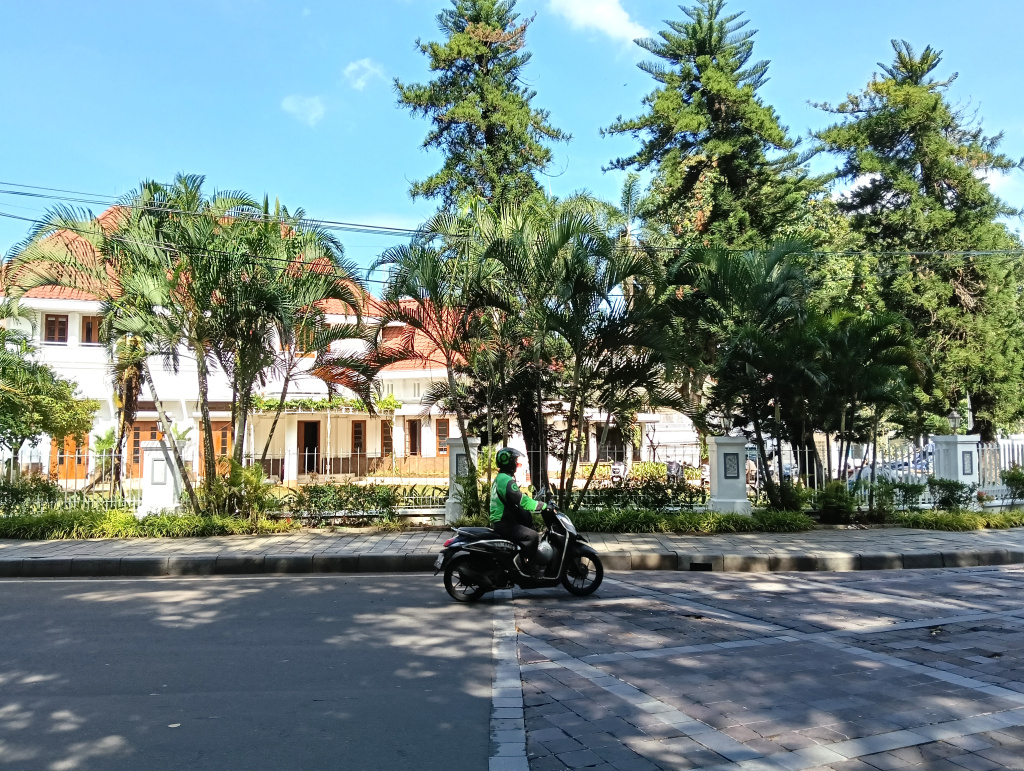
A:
477	560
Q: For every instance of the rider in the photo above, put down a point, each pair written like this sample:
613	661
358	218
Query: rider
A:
512	509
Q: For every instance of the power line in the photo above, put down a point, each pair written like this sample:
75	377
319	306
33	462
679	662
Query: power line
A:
109	201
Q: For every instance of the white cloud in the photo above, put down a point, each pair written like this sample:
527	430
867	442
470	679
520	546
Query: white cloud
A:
607	16
360	72
308	109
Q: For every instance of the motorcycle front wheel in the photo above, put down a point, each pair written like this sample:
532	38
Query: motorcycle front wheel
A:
583	574
459	589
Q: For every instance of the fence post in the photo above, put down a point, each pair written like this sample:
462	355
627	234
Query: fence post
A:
728	474
956	458
458	466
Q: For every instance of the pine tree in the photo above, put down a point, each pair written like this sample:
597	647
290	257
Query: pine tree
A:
726	171
920	199
491	137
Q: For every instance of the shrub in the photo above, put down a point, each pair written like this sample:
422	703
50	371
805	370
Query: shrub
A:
348	499
950	494
243	492
59	524
28	489
959	520
644	495
648	471
794	497
648	521
836	504
1013	478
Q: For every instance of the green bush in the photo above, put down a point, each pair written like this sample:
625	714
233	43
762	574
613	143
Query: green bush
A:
59	524
348	500
795	497
951	495
1013	478
650	494
649	521
27	490
648	471
959	520
243	492
836	504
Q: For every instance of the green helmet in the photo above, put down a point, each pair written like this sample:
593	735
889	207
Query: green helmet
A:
506	458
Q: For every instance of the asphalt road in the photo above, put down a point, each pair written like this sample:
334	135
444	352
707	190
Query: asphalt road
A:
312	672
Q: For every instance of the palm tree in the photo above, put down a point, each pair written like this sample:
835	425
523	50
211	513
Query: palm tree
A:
747	310
74	249
432	291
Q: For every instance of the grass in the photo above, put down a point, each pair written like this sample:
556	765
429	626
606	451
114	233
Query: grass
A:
60	524
959	520
706	522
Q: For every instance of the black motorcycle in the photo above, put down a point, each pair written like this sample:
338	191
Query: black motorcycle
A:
477	560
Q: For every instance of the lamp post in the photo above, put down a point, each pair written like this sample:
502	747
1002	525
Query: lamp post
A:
954	420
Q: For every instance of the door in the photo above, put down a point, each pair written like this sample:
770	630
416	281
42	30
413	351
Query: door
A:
309	446
357	461
412	432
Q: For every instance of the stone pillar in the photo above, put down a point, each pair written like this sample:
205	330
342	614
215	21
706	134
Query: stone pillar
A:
458	466
161	482
956	457
728	472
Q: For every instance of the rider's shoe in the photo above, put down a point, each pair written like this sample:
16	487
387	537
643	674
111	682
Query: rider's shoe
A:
534	571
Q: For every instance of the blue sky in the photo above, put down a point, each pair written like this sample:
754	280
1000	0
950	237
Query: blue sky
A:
295	99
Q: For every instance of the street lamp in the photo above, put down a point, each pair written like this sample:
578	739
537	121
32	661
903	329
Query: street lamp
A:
954	420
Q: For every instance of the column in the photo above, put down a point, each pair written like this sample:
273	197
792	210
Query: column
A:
458	466
290	456
956	457
161	482
728	465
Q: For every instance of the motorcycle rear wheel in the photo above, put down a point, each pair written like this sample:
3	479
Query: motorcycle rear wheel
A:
459	590
583	574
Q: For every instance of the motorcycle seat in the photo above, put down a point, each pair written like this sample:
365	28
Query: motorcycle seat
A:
476	533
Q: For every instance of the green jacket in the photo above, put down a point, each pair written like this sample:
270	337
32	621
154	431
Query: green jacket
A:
511	504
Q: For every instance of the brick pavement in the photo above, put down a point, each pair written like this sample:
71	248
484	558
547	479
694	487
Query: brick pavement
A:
844	671
310	551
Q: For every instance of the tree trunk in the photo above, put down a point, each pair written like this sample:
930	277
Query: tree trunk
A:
491	435
568	433
277	417
165	428
531	435
209	460
593	467
770	487
874	463
542	432
579	446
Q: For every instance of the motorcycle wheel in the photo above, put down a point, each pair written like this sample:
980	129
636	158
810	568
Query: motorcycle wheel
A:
583	575
457	589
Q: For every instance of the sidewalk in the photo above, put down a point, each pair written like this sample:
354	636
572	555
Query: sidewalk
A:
314	552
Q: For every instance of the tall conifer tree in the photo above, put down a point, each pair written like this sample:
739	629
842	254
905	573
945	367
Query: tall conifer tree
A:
726	171
492	139
921	199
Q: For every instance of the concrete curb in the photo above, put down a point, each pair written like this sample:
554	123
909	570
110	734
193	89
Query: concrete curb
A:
395	562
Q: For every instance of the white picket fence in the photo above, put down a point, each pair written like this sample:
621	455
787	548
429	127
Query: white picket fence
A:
910	464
